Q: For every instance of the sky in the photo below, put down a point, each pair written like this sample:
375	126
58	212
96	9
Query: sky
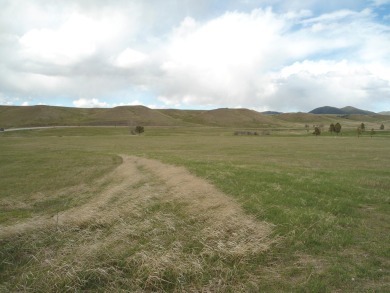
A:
263	55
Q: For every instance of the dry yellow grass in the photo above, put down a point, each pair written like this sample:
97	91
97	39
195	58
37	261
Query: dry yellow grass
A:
159	220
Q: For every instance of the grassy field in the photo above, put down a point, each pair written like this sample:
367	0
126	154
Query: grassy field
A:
322	202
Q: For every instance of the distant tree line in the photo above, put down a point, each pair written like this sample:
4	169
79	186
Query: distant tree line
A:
246	133
336	128
243	132
362	128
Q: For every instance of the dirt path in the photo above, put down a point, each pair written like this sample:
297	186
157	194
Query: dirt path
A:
139	182
157	219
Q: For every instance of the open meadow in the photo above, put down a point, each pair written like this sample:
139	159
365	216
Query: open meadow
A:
193	209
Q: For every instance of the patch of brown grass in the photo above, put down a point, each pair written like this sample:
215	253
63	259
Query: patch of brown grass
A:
149	227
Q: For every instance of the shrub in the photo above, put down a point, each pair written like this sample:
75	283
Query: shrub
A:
332	128
139	129
337	128
317	131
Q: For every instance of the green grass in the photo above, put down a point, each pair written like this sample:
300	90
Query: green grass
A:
326	197
37	179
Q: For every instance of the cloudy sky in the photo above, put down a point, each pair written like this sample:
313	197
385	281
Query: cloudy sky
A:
279	55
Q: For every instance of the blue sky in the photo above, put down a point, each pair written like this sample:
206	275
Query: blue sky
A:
195	54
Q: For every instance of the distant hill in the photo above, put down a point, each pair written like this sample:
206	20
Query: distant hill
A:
23	116
340	111
132	115
271	113
384	113
302	118
353	110
234	117
32	116
19	116
327	110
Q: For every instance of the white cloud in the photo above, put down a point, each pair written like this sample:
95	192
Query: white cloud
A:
220	61
335	16
79	35
130	58
25	104
5	100
89	103
380	2
197	55
235	60
129	103
74	40
305	85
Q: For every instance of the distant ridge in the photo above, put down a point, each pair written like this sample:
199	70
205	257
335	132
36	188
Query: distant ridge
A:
340	111
327	110
32	116
353	110
271	113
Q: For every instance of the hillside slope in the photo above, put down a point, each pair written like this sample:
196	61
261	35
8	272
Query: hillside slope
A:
327	110
33	116
133	115
235	117
353	110
341	111
22	116
27	116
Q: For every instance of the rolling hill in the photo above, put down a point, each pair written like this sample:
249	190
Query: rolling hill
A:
32	116
340	111
133	115
327	110
233	117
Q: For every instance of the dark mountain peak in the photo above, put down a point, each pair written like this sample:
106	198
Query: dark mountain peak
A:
348	110
353	110
327	110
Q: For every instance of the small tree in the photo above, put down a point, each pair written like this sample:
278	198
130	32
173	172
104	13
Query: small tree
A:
358	131
139	129
331	128
337	128
307	127
372	132
362	127
382	127
317	131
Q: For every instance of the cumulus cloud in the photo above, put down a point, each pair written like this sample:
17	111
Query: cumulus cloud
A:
89	103
70	43
220	62
263	54
305	85
232	59
130	58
